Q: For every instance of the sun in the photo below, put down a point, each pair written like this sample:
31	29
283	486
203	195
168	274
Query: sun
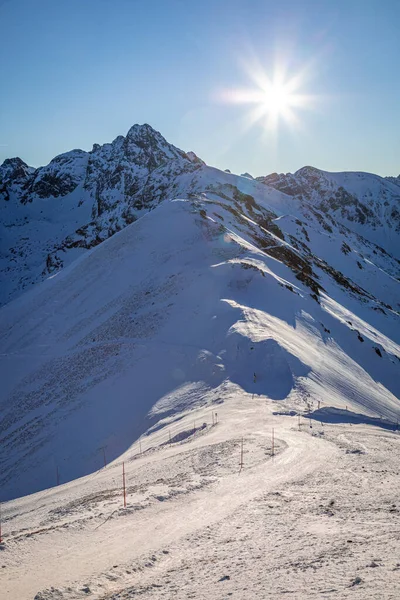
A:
277	100
274	100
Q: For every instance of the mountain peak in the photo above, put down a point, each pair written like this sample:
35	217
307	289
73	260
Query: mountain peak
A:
145	131
14	162
307	171
14	168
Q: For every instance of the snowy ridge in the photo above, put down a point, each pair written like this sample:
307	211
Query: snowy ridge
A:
199	293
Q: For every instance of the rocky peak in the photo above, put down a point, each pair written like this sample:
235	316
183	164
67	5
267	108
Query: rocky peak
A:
194	158
13	169
148	148
308	171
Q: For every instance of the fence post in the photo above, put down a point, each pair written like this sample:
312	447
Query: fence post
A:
123	482
104	455
273	444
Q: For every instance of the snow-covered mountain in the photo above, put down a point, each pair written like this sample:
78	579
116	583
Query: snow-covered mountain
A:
197	313
51	215
365	203
222	286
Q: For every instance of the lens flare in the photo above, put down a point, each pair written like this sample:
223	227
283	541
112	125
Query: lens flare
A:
273	100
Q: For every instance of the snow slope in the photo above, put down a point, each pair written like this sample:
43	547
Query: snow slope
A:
193	294
316	519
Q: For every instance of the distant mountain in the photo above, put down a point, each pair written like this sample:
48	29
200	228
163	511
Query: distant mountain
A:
51	215
365	203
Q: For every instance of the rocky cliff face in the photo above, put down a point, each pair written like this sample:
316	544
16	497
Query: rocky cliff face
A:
366	203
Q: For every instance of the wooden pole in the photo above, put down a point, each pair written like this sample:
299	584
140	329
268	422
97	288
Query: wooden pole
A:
273	443
123	482
104	456
216	418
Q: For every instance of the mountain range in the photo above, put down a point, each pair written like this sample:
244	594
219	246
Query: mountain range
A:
50	215
138	283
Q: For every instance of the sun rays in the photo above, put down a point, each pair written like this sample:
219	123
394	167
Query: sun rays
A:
273	100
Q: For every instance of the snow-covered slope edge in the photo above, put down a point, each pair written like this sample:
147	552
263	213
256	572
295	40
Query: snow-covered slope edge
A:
193	294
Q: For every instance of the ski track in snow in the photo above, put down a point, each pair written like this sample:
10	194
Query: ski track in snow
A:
306	522
80	534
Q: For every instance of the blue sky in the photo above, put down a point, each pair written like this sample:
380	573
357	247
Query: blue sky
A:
78	72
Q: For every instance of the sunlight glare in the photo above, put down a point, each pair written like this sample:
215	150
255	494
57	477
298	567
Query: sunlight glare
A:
274	100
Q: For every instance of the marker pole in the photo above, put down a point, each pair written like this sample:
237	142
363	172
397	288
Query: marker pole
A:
273	443
123	483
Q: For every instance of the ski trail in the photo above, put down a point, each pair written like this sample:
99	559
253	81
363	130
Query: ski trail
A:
85	551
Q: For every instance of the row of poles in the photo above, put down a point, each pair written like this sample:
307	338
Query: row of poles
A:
214	422
214	419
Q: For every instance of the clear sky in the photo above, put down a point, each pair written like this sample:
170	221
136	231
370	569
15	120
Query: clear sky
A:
75	72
